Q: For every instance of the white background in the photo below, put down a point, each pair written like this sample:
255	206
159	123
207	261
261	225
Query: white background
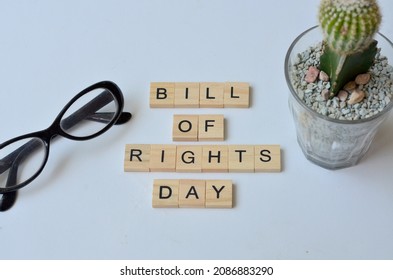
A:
84	206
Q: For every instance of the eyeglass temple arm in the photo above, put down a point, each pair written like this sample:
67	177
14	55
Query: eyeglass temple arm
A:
107	116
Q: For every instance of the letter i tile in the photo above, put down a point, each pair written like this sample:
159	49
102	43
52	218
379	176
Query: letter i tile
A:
186	95
163	158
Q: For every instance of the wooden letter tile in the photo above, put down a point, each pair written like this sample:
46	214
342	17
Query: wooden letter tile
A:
192	193
237	95
211	95
189	158
267	158
166	194
137	158
186	95
215	158
185	128
163	158
211	128
219	194
162	95
241	158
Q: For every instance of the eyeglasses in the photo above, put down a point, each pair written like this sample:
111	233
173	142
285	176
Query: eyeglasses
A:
89	114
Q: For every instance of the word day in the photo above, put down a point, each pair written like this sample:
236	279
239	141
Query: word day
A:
202	158
199	95
191	193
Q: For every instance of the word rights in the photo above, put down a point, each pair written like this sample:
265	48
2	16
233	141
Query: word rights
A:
202	158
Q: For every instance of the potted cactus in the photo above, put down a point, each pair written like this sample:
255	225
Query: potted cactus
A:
341	82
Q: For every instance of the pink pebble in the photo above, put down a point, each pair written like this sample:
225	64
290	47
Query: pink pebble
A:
312	74
342	95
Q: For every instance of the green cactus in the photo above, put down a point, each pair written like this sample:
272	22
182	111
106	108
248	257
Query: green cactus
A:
349	27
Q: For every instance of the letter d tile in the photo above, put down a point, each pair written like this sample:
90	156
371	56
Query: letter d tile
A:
165	193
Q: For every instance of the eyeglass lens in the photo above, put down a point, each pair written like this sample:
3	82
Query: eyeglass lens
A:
20	161
77	120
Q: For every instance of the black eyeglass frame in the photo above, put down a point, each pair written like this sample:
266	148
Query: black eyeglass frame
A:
55	129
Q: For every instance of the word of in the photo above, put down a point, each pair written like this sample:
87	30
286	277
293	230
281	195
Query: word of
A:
202	158
192	193
203	95
198	128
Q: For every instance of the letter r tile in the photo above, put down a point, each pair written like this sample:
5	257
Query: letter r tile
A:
137	158
165	193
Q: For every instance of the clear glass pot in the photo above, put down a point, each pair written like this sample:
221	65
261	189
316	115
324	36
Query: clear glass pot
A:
327	142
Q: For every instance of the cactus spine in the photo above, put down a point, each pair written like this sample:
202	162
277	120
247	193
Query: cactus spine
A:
349	27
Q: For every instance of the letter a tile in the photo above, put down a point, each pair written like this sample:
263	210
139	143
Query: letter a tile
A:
192	193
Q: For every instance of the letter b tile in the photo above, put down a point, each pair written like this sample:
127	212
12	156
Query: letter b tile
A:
162	95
